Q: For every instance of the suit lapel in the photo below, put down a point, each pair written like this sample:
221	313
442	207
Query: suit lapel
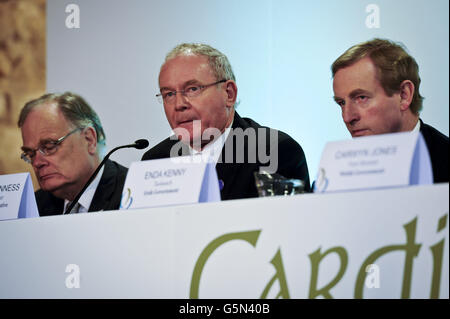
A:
105	188
228	172
48	204
53	207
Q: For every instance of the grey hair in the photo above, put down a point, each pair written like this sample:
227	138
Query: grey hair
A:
74	108
217	60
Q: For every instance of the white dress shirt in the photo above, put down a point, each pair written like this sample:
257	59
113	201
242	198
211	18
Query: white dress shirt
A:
86	199
417	127
212	151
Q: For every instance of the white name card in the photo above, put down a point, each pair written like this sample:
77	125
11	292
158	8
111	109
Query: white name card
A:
169	181
17	197
377	161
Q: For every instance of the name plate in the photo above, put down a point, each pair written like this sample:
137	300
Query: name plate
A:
17	197
377	161
169	181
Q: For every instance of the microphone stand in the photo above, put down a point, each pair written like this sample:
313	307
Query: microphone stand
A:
139	144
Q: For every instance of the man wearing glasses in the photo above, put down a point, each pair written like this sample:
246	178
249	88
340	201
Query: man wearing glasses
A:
64	140
198	90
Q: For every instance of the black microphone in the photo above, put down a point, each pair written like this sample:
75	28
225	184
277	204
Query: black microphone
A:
139	144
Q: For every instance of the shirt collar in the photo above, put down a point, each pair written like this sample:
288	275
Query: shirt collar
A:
86	199
212	151
417	127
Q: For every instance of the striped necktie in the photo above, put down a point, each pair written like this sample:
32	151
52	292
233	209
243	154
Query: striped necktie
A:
74	209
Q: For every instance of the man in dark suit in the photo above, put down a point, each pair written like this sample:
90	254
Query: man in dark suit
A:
198	90
437	144
376	84
63	140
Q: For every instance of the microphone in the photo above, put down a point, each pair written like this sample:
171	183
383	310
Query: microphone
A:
139	144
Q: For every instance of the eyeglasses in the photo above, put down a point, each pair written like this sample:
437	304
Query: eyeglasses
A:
189	92
46	148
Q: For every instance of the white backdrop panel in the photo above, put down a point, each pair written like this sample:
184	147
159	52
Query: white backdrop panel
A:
281	52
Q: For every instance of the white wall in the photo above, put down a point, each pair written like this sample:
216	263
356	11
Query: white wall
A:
280	50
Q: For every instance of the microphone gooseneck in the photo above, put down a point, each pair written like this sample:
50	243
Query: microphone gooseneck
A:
139	144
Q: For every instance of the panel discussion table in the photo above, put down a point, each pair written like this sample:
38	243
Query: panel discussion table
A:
385	243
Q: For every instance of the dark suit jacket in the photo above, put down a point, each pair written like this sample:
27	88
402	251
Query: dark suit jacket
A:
106	197
237	177
437	144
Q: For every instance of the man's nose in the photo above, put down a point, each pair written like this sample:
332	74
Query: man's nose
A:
38	160
350	114
181	101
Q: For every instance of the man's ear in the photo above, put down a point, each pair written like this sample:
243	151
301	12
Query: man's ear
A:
231	91
406	94
90	136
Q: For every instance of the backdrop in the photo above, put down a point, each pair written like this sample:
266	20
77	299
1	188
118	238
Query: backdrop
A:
110	52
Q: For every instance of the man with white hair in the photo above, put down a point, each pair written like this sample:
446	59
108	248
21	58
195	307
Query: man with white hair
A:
198	90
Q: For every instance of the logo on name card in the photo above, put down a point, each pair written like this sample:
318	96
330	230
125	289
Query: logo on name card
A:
128	200
321	183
